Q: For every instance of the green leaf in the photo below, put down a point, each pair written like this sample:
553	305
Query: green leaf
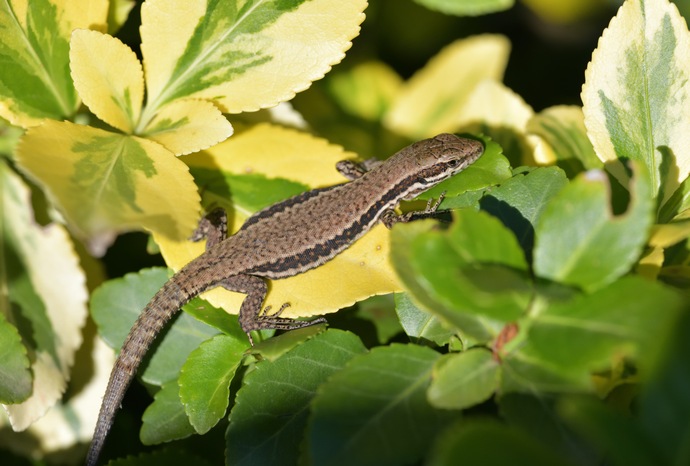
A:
418	323
35	82
205	380
165	418
663	405
563	128
115	306
578	239
636	91
536	415
270	414
402	238
619	440
631	316
15	376
477	267
462	380
467	7
169	457
375	411
520	201
490	444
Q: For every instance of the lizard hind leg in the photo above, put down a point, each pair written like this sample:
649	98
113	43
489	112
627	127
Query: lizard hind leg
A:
251	316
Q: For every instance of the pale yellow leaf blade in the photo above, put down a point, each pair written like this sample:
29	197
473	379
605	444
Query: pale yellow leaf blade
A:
108	77
432	99
187	126
106	183
495	110
242	55
361	271
636	94
47	259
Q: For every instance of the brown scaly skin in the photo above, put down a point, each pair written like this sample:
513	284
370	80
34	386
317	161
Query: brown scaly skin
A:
283	240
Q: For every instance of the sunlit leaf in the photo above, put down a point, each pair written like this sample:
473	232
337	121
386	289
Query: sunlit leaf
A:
187	126
242	55
109	78
34	42
205	380
636	91
47	290
106	183
431	101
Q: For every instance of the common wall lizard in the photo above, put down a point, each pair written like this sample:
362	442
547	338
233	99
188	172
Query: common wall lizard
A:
283	240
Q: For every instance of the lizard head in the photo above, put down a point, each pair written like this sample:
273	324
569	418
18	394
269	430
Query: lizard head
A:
436	159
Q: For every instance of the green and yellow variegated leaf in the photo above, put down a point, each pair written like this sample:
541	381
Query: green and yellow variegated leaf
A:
187	126
108	77
361	271
367	90
637	93
495	110
563	129
34	45
431	101
106	183
243	55
48	290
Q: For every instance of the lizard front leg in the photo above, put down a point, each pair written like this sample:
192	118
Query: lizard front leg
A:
251	316
213	226
390	218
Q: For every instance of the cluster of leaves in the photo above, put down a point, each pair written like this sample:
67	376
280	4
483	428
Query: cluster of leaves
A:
555	277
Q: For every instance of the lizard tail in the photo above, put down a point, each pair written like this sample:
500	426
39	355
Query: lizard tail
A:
165	304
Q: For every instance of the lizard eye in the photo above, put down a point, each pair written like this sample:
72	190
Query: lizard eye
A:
453	163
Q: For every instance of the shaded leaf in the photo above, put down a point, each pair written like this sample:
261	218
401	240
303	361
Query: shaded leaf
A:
467	7
462	380
165	418
270	414
578	239
15	376
374	411
115	306
418	323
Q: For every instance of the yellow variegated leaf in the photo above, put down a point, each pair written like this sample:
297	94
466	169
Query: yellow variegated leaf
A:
361	271
243	55
432	99
562	127
108	78
34	80
106	183
637	93
367	90
48	289
187	126
500	113
668	234
650	263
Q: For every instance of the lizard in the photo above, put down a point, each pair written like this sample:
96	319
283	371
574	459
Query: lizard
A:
283	240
